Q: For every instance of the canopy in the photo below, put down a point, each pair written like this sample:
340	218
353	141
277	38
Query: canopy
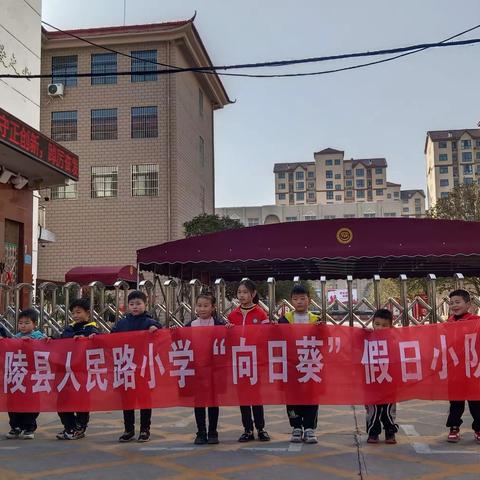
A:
108	275
334	248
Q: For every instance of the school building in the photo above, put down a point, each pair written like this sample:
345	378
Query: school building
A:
145	140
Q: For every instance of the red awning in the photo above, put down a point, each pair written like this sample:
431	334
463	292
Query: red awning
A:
106	274
334	248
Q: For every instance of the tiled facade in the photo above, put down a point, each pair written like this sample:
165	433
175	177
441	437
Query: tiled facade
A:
452	158
158	161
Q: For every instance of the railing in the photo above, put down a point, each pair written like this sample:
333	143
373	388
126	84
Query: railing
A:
173	302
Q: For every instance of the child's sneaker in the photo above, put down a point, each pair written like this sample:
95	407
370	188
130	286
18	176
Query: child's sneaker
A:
390	439
246	437
263	436
201	438
309	436
144	436
70	435
13	433
476	436
372	439
454	435
27	435
127	437
297	434
212	438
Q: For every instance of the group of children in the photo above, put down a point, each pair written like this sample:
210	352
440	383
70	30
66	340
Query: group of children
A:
302	418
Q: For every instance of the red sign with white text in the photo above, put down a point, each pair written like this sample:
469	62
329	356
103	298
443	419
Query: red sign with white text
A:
253	365
21	136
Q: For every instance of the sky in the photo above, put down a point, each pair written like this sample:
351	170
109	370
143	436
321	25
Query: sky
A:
378	111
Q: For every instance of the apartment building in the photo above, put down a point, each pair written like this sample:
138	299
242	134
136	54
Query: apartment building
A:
452	158
334	180
144	139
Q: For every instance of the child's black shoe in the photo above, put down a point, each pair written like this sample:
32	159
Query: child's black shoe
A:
127	437
201	438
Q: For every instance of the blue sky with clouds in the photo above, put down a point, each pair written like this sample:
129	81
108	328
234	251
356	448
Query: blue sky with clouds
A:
378	111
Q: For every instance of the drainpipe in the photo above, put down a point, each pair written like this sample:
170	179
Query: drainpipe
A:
169	150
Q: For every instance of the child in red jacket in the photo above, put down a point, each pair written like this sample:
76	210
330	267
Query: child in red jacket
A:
460	304
249	313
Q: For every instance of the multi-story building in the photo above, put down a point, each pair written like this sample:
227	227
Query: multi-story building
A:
452	158
333	180
26	157
145	140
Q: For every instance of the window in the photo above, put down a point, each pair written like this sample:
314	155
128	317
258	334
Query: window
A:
389	195
144	122
104	124
349	183
253	222
338	176
454	146
379	192
405	209
310	217
329	217
477	143
390	214
338	186
104	182
468	169
466	156
311	185
349	193
369	215
379	181
65	65
144	61
281	175
67	191
442	144
444	182
378	171
328	163
200	102
417	202
282	196
338	198
201	151
444	195
338	161
396	194
311	195
360	194
348	173
145	180
443	169
329	195
299	176
291	219
281	186
64	126
300	186
329	185
468	181
360	183
443	157
466	144
349	215
477	155
300	196
311	174
359	172
104	63
328	174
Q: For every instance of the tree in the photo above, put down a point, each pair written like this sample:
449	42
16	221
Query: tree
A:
208	223
462	203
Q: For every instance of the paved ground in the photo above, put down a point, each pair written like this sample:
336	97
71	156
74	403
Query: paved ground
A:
421	453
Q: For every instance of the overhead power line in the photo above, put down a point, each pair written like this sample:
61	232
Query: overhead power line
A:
403	51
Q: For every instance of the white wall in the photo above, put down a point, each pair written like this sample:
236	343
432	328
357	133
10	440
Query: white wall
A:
20	49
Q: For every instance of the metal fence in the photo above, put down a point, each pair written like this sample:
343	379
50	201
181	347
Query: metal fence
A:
173	302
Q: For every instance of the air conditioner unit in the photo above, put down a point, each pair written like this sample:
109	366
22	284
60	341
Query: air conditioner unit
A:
55	89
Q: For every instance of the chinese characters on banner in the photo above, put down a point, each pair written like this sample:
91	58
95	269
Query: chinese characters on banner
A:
266	364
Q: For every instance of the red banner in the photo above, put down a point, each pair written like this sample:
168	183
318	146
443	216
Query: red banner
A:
254	365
